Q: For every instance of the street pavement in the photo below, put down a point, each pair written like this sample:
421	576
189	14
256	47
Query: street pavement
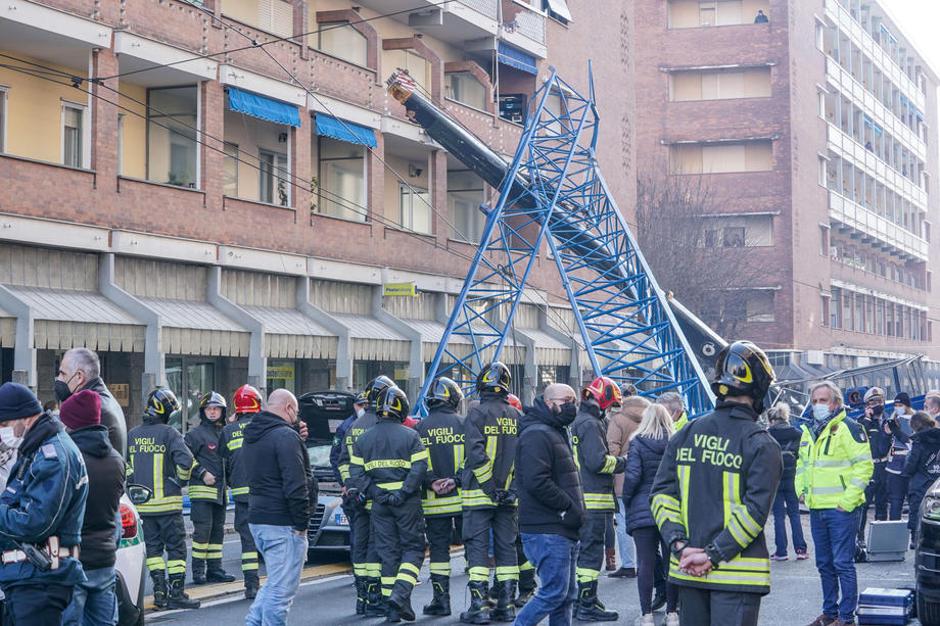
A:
795	598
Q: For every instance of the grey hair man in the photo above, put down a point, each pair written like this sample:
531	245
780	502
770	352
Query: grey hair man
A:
80	369
676	407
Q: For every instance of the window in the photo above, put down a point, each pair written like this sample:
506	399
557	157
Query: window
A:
3	120
824	310
695	13
760	306
230	170
557	10
734	237
463	87
415	209
342	178
341	40
465	194
120	143
417	66
738	231
276	16
750	156
72	129
823	175
720	84
836	308
274	185
823	240
171	135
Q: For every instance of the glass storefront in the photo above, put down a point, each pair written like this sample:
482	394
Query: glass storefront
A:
190	378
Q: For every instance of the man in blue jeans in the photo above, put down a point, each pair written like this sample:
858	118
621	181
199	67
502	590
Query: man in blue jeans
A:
551	505
281	489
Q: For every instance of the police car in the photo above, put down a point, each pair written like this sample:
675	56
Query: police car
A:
130	562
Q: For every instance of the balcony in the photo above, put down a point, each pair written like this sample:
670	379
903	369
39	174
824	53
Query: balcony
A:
871	228
453	22
524	27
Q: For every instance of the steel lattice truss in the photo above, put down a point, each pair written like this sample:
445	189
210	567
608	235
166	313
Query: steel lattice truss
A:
554	188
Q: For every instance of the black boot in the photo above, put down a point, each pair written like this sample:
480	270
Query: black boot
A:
199	571
159	589
478	612
505	610
399	606
215	573
526	587
252	584
440	604
659	599
492	595
361	595
178	598
589	608
375	605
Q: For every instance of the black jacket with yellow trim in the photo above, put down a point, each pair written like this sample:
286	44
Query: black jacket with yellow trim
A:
203	441
232	440
389	457
158	459
714	488
442	433
356	430
596	464
492	429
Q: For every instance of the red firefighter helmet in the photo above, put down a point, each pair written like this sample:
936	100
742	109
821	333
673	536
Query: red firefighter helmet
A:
247	400
514	401
604	391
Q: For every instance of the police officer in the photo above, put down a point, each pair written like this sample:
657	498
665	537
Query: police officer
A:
388	463
366	566
713	493
597	469
489	499
442	434
879	441
41	508
207	508
247	403
159	460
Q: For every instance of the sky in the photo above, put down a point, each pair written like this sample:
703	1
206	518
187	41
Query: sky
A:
919	20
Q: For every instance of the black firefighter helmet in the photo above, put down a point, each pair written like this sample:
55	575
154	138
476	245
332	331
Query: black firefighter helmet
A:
213	399
392	403
161	404
375	388
444	392
742	369
494	377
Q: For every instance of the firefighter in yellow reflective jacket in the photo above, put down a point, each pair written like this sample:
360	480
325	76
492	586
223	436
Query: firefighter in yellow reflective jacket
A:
713	492
159	460
597	468
832	472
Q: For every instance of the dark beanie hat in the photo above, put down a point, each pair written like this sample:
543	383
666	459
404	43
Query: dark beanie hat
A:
17	402
903	398
81	409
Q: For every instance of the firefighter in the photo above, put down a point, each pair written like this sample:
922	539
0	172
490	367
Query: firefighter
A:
246	402
366	566
388	463
159	460
713	493
207	508
597	468
489	498
526	569
442	434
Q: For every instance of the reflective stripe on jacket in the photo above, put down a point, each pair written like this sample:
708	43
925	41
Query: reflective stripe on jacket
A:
492	429
203	441
388	457
596	465
442	433
159	460
233	438
834	469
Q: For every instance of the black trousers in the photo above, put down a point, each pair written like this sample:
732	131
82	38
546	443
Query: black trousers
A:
651	552
897	492
398	532
440	531
35	605
591	554
208	530
249	549
702	607
875	493
477	525
165	532
362	548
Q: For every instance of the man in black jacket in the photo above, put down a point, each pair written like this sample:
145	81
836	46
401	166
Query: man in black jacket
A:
880	440
786	502
281	489
94	601
80	369
551	504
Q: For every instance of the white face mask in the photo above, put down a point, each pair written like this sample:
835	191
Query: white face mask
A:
820	411
9	438
360	412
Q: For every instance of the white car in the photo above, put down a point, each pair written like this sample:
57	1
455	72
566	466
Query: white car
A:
130	567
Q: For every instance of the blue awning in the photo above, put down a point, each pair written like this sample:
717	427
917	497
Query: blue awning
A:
507	55
342	130
262	107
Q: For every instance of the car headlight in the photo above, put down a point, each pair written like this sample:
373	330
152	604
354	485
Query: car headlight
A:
931	508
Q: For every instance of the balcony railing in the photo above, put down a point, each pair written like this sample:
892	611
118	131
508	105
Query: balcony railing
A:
484	7
870	224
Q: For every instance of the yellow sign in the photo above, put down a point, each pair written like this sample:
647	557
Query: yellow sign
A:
121	393
400	289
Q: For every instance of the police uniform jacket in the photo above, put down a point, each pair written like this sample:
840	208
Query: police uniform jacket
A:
231	450
339	442
203	442
356	430
880	438
159	460
714	488
389	457
596	464
442	433
491	435
45	497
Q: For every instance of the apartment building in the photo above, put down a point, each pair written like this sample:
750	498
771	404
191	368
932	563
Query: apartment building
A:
234	197
813	125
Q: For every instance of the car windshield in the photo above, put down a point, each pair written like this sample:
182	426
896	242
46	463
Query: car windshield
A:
319	455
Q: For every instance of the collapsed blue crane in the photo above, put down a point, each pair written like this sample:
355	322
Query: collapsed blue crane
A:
553	192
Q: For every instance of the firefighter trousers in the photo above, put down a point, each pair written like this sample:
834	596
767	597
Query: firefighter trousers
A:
249	549
591	554
704	607
440	531
477	526
165	532
398	532
208	531
362	546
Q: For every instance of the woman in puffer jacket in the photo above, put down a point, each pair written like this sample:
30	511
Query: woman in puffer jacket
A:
647	445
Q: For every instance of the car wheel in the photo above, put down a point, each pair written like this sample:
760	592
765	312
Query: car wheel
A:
928	612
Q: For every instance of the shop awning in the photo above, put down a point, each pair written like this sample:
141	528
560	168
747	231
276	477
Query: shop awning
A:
560	8
507	55
343	130
198	328
289	334
371	340
548	350
262	107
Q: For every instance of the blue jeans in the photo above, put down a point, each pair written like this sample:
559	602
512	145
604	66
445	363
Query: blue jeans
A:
834	535
787	505
284	551
555	558
94	602
624	541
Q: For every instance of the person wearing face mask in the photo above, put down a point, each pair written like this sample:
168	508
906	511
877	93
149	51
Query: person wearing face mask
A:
207	499
932	406
43	505
880	440
832	472
489	496
80	369
922	468
899	427
551	504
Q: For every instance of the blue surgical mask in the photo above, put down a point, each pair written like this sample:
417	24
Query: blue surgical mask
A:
820	412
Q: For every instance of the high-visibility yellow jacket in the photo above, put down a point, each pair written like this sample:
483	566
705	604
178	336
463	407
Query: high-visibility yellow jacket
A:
681	423
834	467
